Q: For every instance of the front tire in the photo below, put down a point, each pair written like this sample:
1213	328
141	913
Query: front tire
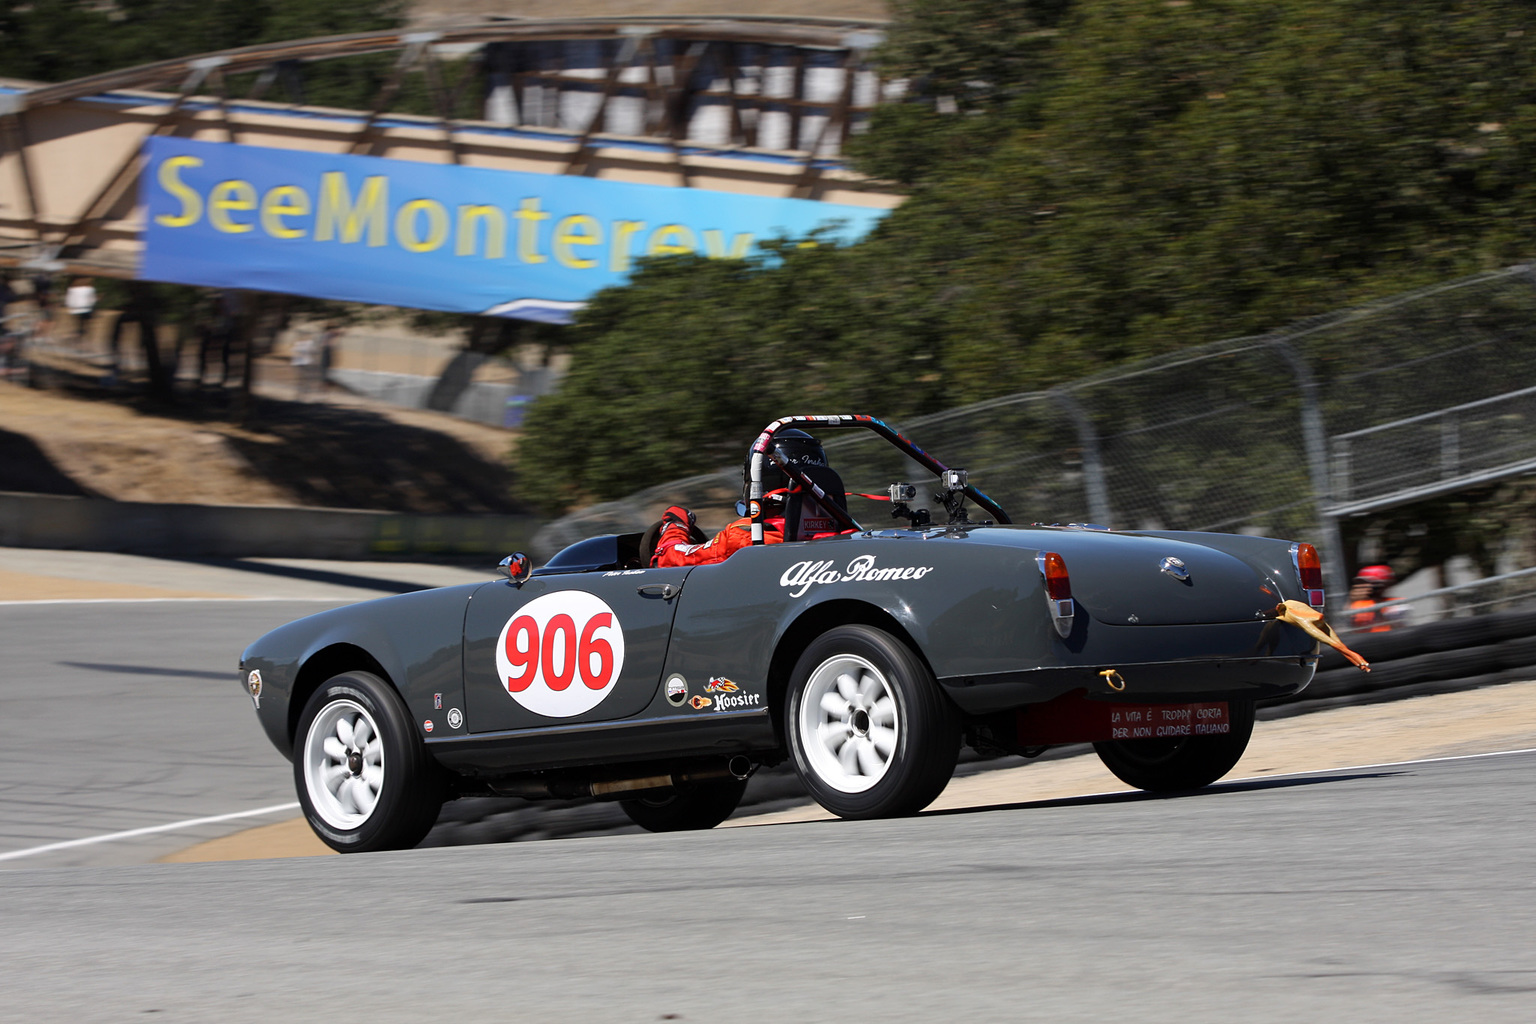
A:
364	778
871	734
697	805
1189	762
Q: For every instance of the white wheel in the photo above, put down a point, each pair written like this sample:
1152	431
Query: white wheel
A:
344	764
364	778
870	732
850	722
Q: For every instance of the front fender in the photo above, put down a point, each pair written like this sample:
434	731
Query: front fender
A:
416	639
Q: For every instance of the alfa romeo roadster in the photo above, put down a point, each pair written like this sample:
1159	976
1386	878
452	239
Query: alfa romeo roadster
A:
866	657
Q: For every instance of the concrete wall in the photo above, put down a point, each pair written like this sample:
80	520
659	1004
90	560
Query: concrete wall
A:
249	531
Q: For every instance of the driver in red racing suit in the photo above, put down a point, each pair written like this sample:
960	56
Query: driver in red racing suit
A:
795	447
673	547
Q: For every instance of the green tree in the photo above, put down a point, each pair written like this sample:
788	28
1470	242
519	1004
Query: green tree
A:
678	371
56	40
975	70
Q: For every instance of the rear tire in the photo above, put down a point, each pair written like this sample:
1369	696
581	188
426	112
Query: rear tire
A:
871	734
1189	762
364	778
696	805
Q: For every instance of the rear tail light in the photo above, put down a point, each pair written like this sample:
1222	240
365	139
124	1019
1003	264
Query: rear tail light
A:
1058	590
1309	571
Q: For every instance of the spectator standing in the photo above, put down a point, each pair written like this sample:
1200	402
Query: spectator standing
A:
1367	597
80	301
303	361
8	332
328	353
42	294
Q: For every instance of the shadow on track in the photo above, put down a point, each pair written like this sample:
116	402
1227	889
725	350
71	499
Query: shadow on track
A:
343	579
151	670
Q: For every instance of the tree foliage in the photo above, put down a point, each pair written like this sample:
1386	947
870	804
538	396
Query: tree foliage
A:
679	370
975	70
56	40
1087	182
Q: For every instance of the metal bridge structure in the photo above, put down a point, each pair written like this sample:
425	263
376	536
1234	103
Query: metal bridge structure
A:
755	105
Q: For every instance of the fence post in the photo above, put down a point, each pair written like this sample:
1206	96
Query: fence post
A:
1093	465
1314	438
1450	446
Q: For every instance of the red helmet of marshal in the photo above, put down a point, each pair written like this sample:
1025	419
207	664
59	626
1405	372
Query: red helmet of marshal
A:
1378	574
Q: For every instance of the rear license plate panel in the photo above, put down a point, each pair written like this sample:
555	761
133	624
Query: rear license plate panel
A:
1077	720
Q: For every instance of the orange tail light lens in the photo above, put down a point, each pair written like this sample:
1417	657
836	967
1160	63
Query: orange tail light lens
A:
1309	570
1058	590
1309	567
1058	585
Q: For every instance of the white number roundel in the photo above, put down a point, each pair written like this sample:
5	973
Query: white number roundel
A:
561	653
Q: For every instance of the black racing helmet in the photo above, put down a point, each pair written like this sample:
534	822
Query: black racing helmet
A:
795	447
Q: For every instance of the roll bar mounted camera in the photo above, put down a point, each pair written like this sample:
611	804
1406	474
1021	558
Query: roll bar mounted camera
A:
900	495
952	497
954	482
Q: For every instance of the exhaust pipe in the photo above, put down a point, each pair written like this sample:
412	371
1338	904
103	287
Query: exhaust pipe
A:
609	788
739	767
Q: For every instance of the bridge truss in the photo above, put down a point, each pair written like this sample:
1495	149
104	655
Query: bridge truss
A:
758	105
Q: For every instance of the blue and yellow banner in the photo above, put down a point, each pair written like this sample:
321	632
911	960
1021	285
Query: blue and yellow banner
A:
433	236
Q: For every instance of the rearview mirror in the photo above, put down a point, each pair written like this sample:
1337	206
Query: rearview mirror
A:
517	568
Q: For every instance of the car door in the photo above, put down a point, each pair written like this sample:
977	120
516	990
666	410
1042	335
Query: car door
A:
566	649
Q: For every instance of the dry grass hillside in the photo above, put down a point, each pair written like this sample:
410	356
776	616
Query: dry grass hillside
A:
344	454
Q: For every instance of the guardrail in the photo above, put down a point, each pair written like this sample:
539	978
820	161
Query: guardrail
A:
1446	450
249	531
1509	589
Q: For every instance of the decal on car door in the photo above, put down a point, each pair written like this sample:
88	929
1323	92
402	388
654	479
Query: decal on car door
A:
561	654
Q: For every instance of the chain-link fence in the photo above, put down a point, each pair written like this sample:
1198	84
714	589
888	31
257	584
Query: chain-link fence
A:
1278	435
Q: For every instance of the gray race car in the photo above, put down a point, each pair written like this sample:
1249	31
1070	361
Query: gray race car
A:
867	657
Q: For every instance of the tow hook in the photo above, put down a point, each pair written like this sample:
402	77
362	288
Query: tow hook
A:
1113	677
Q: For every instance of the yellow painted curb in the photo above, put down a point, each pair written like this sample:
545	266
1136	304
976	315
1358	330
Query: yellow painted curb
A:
291	838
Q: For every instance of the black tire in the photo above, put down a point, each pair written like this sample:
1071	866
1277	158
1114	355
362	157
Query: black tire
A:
903	754
1182	763
409	792
696	805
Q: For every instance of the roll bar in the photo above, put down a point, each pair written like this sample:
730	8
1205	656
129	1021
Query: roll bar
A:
760	450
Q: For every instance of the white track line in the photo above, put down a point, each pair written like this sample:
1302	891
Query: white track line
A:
131	833
1385	764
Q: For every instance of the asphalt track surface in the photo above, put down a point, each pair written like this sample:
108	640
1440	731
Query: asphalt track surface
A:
116	716
1397	893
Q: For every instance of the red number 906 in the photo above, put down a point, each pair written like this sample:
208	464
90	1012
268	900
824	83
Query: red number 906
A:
555	640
